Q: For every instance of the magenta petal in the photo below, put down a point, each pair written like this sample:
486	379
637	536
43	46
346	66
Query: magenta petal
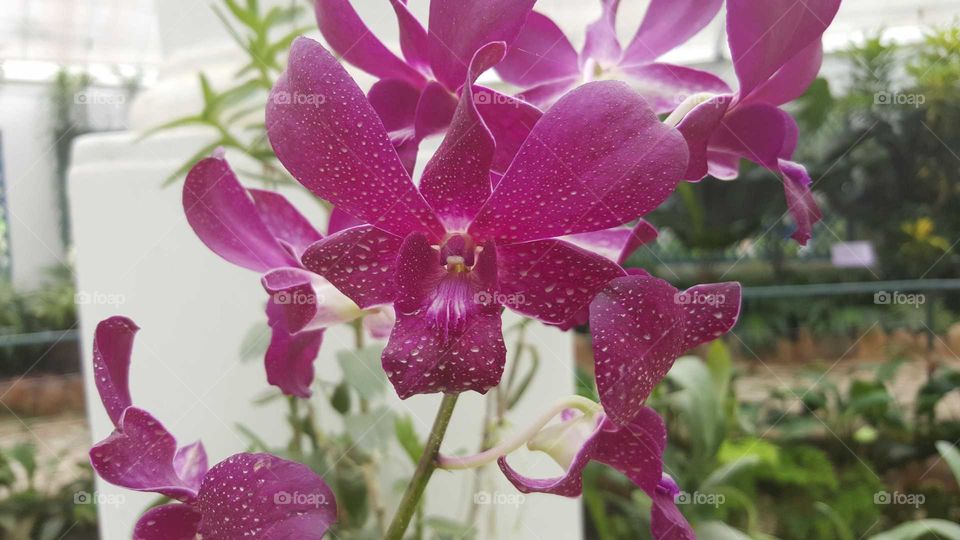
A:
544	95
413	37
289	360
765	36
456	181
340	220
112	345
793	79
448	336
284	221
168	522
190	462
359	262
665	86
723	166
458	29
618	243
540	53
712	310
803	207
291	291
396	103
666	521
551	280
601	42
263	496
598	158
637	329
698	127
509	119
330	138
225	218
140	456
667	24
757	132
349	37
434	111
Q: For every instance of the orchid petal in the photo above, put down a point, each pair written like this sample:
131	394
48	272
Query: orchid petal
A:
601	42
616	244
552	280
723	166
757	132
767	35
711	311
168	522
698	127
456	181
666	521
349	37
413	37
289	360
667	24
306	301
791	80
395	101
225	218
263	496
509	119
545	94
434	111
803	207
340	220
335	144
284	221
665	86
191	465
112	346
459	28
359	262
598	158
139	455
637	329
447	337
380	323
540	53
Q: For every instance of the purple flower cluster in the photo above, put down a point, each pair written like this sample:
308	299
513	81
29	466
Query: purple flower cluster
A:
532	204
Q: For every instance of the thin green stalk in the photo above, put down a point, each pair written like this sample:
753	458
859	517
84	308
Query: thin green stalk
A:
425	467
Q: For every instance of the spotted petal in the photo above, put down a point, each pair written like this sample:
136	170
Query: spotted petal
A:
226	219
284	221
597	159
618	243
359	262
190	462
665	86
112	345
168	522
667	24
290	356
263	496
330	138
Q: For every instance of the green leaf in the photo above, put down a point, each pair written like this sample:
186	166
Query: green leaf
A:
951	455
255	442
728	472
340	400
843	530
7	477
255	342
26	455
181	173
921	529
716	530
445	529
407	437
362	371
372	429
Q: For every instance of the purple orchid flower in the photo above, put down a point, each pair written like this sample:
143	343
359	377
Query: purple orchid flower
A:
545	64
244	496
777	52
635	449
261	231
452	253
417	96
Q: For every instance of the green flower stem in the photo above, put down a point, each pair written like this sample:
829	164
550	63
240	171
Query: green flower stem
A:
518	439
425	467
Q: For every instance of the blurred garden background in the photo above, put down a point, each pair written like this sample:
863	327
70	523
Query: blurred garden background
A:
832	411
